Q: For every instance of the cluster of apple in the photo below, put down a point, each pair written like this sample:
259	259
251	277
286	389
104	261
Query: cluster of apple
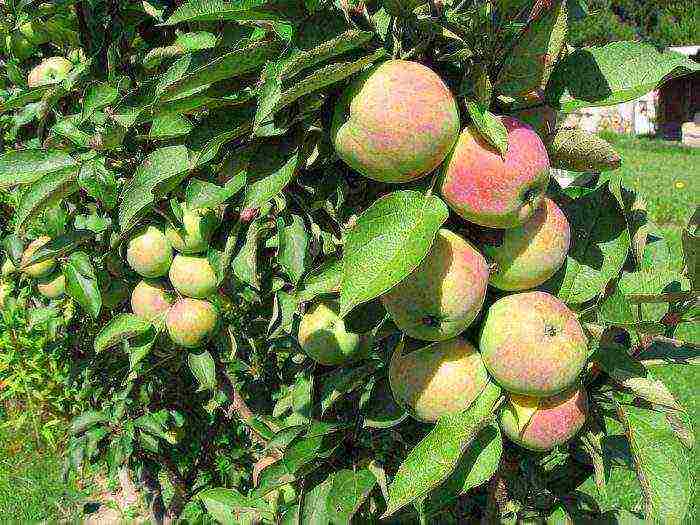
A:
398	123
190	319
50	281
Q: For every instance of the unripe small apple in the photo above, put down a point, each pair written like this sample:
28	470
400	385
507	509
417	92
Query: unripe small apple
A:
50	71
194	234
191	322
441	379
40	269
151	299
550	422
149	252
193	276
325	339
52	286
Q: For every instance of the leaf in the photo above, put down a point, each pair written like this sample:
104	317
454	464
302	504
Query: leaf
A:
633	376
120	327
203	369
87	420
229	507
81	283
479	462
579	150
378	407
43	194
164	166
489	126
98	96
614	73
229	65
388	242
661	463
274	98
169	125
203	195
271	168
293	244
214	10
526	69
323	280
218	128
340	382
31	165
98	181
435	458
347	492
636	286
600	243
58	246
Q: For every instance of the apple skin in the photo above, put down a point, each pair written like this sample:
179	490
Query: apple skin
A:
483	188
444	294
532	344
191	322
40	269
195	232
151	299
440	379
52	286
325	339
531	253
149	252
50	71
396	123
193	276
555	421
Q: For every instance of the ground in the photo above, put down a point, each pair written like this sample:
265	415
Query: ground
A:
31	487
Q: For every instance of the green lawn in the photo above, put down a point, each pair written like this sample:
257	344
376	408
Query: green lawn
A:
31	488
667	175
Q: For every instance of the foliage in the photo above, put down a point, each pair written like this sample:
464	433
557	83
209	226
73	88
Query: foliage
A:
226	107
671	24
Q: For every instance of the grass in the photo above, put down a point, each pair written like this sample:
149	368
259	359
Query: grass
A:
667	175
31	487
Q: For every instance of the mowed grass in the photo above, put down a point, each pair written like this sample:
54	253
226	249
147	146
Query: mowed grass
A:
31	486
667	175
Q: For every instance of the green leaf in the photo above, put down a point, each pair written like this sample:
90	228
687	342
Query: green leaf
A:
388	242
479	462
489	127
30	165
293	244
98	181
67	128
646	284
218	128
379	409
347	492
600	243
44	193
81	283
323	280
614	73
59	246
87	420
230	507
342	381
121	327
435	458
270	169
203	369
163	168
214	10
579	150
194	75
204	195
274	98
169	125
98	96
662	464
526	69
245	262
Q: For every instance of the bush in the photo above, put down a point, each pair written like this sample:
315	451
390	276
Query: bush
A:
154	117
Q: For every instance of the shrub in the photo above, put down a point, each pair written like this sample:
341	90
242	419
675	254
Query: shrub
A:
171	112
